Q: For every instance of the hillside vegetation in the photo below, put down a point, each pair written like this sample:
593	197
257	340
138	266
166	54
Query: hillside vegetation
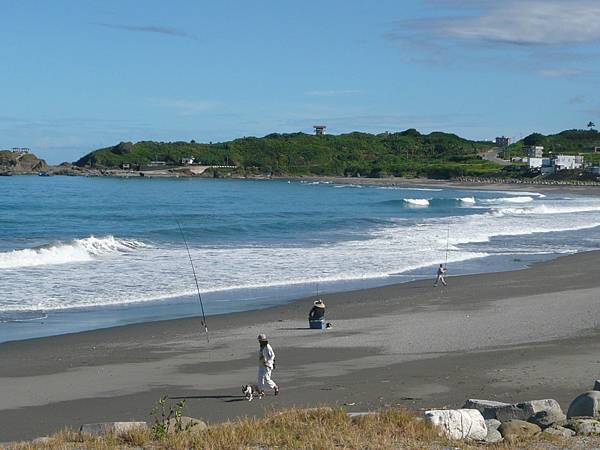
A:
568	142
408	153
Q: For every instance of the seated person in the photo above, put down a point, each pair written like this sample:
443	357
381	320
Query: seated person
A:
316	316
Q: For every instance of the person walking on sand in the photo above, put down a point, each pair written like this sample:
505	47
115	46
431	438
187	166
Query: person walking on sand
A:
266	363
441	272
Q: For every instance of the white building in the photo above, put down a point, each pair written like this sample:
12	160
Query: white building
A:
568	162
544	165
187	161
537	163
535	151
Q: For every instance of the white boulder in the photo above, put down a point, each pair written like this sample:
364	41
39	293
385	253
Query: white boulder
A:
459	423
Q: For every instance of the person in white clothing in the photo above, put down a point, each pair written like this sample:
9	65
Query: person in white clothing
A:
266	363
441	272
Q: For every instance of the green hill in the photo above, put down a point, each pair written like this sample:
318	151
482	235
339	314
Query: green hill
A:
408	153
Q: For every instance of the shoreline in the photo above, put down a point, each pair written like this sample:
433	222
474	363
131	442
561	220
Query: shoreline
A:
271	305
482	184
55	322
507	336
470	183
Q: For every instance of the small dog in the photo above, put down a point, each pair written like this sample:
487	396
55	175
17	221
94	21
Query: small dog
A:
250	391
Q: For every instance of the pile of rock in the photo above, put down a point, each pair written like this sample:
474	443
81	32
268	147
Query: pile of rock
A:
491	422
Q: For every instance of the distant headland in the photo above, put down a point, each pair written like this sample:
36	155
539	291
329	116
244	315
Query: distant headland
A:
568	155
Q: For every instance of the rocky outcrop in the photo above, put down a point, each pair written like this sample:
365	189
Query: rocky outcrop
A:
21	163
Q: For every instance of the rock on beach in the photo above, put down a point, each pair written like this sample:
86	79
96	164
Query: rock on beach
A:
459	423
118	428
585	405
514	430
526	410
487	408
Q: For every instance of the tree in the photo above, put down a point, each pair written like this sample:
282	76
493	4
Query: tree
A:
534	139
591	125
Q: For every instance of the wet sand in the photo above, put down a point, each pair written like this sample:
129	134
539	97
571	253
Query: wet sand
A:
508	336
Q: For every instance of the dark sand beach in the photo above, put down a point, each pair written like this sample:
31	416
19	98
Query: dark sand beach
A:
480	184
507	336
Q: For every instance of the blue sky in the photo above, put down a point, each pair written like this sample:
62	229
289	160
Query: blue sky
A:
78	75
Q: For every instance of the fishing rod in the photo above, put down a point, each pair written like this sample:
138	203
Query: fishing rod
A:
196	280
447	245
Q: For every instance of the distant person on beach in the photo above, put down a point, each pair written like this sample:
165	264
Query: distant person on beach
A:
316	316
266	364
441	272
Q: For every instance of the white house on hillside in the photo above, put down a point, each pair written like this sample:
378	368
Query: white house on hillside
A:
568	162
545	165
187	161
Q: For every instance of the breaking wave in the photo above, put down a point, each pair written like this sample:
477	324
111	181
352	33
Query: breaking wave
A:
417	201
508	200
547	209
78	250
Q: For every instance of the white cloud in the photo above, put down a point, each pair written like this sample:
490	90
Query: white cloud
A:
529	22
156	29
559	72
548	38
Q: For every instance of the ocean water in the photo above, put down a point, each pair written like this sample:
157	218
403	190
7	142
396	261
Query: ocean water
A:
80	253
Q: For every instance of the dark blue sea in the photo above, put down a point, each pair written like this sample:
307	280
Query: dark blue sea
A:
79	253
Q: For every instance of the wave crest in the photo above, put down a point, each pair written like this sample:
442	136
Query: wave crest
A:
547	209
508	200
417	201
78	250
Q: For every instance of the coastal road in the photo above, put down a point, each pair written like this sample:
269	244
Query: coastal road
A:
511	337
493	155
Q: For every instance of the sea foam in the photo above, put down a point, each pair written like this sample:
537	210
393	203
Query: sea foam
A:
417	201
78	250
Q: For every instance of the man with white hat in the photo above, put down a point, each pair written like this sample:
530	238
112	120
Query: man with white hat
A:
266	363
316	316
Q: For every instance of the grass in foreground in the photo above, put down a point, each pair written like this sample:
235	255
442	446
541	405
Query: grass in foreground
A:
320	428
